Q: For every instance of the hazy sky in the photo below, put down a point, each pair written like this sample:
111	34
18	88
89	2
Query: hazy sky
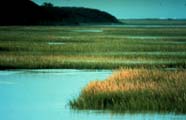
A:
130	8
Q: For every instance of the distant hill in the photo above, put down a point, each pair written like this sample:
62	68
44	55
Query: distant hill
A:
26	12
75	15
19	12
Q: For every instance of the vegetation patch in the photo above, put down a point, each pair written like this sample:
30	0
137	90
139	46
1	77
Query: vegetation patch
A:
61	47
136	90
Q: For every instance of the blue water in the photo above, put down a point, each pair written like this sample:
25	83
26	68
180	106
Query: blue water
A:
44	95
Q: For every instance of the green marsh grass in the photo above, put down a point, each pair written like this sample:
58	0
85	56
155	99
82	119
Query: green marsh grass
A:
27	47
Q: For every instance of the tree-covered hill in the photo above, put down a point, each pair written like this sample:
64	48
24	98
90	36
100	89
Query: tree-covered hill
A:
26	12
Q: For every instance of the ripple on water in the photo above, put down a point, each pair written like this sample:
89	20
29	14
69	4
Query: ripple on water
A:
6	83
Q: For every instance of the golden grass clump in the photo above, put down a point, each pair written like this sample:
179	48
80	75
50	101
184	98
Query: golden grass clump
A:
137	79
136	90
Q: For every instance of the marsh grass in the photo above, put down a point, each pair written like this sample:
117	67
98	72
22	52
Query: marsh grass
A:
136	90
27	47
143	85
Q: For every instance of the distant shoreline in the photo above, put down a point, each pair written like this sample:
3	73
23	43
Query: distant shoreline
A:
149	21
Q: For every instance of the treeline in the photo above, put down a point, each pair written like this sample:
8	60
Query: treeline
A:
26	12
74	15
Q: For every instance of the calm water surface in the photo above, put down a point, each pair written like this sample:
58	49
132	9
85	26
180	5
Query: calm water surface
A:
44	95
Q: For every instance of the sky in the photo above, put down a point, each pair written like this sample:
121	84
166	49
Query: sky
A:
125	9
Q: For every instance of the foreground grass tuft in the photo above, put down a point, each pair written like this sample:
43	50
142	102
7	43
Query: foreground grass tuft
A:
136	90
